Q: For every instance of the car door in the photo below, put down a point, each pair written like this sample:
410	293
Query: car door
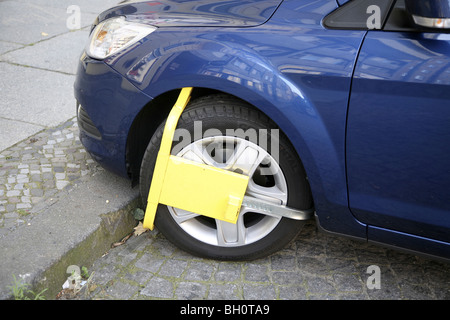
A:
398	133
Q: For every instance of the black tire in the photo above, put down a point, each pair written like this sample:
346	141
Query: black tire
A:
223	112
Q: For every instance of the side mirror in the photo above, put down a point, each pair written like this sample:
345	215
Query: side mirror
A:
429	13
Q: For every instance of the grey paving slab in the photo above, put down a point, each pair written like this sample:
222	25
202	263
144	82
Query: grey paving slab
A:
34	96
9	46
60	53
28	22
86	6
13	131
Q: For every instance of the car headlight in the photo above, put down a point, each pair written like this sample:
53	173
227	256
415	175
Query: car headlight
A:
115	34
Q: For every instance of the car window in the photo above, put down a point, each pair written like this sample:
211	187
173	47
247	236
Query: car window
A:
399	19
359	15
387	15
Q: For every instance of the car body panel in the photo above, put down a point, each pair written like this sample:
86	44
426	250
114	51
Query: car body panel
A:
398	150
105	94
300	75
291	68
431	248
342	2
204	13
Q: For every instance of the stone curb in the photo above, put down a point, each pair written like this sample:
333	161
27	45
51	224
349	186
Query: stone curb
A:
57	208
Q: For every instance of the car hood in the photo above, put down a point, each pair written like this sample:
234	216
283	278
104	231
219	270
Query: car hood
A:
182	13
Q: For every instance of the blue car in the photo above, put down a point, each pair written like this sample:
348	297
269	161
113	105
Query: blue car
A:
337	110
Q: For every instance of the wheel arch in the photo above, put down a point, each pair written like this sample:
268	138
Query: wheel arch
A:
161	67
297	118
154	113
146	123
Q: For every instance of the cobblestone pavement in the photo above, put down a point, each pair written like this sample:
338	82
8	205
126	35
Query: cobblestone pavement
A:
36	169
314	266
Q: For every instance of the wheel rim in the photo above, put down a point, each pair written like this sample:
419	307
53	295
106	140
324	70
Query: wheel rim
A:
266	182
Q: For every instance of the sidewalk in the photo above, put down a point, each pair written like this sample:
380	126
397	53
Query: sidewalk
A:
59	208
53	198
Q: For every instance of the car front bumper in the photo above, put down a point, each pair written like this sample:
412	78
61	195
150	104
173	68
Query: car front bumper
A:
107	104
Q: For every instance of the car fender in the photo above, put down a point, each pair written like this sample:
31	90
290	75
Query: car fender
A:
224	64
234	69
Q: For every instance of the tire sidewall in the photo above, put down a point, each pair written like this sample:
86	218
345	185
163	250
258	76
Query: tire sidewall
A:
222	117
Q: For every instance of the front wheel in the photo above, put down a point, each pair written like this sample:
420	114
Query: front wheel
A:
233	136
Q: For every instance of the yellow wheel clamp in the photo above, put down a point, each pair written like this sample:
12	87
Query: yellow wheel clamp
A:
189	185
200	188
